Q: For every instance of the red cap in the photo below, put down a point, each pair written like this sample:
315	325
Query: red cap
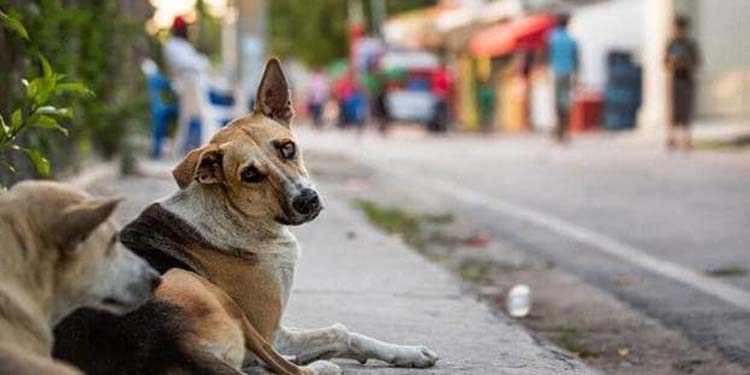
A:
179	23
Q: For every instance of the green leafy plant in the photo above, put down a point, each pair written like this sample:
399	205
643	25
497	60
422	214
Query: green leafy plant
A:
39	108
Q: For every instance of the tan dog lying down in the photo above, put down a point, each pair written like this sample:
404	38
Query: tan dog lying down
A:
229	260
60	252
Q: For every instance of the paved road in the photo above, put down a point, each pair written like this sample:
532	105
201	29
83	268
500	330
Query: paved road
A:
604	208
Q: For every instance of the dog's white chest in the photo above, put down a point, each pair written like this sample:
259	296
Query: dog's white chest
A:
281	264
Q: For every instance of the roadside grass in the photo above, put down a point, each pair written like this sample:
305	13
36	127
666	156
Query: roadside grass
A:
394	221
429	234
731	271
476	271
571	339
734	145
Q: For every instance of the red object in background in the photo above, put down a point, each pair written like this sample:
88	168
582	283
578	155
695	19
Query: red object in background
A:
179	24
527	32
440	83
586	113
344	87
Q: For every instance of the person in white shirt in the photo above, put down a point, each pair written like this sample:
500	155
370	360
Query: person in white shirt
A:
179	53
187	68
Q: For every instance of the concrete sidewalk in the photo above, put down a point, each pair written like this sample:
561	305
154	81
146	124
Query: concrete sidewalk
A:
352	274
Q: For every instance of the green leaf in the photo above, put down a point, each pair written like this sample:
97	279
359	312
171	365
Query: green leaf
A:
8	165
47	71
54	111
4	128
46	122
13	24
74	88
16	119
39	89
40	162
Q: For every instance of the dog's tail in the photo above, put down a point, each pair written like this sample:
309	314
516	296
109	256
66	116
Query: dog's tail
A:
266	353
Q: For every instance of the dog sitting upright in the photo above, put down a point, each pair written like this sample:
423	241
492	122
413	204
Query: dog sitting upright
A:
60	252
229	260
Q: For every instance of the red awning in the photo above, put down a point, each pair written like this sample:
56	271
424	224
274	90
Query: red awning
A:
526	32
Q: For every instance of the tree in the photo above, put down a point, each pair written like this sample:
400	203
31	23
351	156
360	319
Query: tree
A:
316	31
38	108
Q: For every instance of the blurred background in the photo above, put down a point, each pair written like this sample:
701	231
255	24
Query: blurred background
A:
596	150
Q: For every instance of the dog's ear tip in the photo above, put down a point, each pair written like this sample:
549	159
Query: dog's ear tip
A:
77	221
273	60
273	98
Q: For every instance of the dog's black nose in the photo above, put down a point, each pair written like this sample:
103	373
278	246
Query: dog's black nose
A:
306	202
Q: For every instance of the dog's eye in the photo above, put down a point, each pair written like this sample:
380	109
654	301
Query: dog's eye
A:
287	150
251	174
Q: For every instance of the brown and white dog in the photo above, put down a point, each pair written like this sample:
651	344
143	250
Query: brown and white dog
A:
229	259
60	252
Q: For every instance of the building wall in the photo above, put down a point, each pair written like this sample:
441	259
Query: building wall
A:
722	29
603	27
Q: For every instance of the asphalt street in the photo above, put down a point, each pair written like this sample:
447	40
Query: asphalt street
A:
604	208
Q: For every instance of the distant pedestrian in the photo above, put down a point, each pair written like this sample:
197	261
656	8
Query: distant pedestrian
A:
344	91
562	52
380	111
440	85
682	59
486	102
187	68
317	96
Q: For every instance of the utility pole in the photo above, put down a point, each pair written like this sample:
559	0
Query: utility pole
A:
251	47
658	19
378	11
356	17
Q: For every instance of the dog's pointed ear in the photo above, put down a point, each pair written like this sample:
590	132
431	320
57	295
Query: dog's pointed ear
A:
274	99
203	165
78	221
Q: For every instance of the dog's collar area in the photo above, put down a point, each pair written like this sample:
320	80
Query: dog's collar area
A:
160	237
164	240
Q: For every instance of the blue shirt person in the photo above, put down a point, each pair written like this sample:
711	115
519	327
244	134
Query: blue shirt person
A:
562	55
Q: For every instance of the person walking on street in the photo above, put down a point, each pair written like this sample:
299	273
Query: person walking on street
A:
317	92
562	52
682	59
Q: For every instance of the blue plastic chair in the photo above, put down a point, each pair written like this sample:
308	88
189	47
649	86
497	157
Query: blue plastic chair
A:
161	113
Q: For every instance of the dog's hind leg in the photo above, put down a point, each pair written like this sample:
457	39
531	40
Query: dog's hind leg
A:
220	319
338	341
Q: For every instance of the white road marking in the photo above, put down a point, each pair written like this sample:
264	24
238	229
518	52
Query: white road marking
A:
597	241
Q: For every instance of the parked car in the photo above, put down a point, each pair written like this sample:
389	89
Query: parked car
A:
409	97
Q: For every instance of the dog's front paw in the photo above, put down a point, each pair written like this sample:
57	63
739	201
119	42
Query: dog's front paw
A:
324	368
414	356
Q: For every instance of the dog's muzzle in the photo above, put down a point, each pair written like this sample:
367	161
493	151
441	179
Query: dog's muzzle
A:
307	202
304	207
